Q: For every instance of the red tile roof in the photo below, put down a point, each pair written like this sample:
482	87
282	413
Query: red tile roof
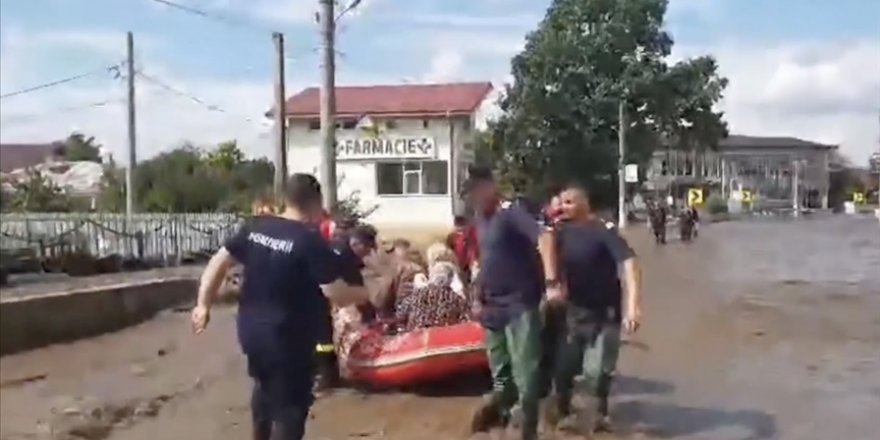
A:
409	100
15	156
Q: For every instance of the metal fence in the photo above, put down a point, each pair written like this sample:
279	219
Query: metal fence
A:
147	236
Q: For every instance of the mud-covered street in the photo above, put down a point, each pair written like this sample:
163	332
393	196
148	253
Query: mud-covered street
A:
757	330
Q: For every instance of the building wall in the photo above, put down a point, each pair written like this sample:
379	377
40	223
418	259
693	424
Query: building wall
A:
759	169
359	176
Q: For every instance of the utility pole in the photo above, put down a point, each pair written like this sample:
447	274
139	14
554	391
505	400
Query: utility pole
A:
795	188
280	132
621	164
328	105
132	133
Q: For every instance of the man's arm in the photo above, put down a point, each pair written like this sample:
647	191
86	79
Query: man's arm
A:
338	273
213	276
632	276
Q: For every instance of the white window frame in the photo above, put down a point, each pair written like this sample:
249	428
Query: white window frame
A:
419	172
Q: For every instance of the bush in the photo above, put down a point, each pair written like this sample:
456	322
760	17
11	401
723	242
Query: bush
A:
716	204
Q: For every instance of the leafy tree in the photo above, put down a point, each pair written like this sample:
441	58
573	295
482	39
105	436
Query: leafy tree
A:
560	115
226	156
37	193
78	147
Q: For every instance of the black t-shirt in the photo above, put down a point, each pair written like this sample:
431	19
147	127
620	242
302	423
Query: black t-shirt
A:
589	258
511	275
282	311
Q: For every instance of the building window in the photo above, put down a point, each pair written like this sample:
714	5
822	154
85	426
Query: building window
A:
466	125
315	124
428	177
349	124
390	124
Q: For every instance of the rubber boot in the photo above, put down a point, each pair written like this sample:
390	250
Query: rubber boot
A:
489	413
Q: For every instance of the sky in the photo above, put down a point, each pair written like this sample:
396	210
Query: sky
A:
803	68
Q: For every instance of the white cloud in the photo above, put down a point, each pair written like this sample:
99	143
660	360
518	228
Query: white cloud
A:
822	91
446	65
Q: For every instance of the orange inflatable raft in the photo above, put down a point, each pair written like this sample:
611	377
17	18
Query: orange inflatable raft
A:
418	356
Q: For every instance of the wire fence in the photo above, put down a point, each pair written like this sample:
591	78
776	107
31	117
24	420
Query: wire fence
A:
165	237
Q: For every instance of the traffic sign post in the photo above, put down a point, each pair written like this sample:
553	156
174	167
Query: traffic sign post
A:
695	197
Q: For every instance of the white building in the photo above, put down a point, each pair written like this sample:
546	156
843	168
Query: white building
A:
404	149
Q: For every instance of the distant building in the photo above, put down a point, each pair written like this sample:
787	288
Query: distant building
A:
18	156
765	166
403	148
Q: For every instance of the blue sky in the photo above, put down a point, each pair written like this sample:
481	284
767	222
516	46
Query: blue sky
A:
807	68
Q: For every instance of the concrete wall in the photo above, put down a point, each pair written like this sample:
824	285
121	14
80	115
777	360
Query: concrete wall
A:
36	321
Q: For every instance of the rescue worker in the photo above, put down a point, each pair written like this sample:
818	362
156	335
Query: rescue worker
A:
287	267
591	252
517	270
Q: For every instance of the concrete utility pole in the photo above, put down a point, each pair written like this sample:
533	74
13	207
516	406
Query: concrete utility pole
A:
328	105
795	188
280	132
621	164
132	133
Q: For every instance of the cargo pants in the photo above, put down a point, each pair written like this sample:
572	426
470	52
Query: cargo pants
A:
587	356
514	358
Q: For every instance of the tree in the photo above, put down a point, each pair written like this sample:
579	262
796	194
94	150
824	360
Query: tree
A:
226	156
78	147
188	179
560	115
37	193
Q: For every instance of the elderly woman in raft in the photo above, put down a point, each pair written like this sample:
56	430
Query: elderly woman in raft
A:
437	299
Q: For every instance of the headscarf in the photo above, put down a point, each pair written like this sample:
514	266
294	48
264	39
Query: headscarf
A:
442	273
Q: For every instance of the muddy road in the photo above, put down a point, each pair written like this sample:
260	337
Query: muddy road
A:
757	330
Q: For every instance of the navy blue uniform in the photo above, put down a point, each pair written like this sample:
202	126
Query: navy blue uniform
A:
282	314
511	273
589	255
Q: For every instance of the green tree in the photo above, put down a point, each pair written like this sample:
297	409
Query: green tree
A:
37	193
225	157
560	115
78	147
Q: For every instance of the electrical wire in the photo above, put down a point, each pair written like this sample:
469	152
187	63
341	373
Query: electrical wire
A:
26	117
211	15
108	69
188	96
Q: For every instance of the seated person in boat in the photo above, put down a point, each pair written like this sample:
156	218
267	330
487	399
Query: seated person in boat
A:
433	304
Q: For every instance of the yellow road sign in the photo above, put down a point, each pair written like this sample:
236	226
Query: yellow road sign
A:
695	197
747	196
858	198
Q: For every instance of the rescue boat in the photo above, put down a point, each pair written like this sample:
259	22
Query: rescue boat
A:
418	356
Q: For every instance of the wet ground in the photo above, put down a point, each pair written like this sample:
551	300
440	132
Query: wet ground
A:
757	330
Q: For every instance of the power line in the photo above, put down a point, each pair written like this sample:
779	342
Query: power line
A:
211	15
28	117
176	91
109	69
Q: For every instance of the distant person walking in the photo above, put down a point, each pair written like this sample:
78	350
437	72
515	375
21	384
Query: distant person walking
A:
517	267
590	253
281	312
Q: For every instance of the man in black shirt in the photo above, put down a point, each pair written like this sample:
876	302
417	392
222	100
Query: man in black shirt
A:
590	253
352	243
517	268
287	265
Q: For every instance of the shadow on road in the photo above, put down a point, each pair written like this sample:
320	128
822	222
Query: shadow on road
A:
629	386
662	420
